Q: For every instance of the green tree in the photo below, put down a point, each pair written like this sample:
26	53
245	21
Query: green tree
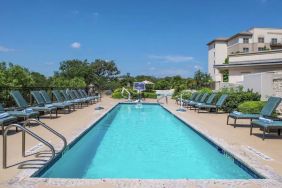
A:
202	79
18	76
39	80
77	82
74	68
101	72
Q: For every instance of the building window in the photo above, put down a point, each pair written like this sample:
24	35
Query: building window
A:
260	49
261	40
274	41
246	40
245	50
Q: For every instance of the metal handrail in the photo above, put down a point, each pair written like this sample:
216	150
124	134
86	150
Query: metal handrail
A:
49	129
31	134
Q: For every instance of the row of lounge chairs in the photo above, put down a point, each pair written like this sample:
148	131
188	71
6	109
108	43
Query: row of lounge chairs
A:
205	101
66	100
263	120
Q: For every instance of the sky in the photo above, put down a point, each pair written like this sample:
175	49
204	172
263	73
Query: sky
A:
151	37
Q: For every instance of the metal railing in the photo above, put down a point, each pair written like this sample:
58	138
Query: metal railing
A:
28	121
24	130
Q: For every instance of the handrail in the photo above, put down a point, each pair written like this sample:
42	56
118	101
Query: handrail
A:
49	129
162	97
31	134
129	95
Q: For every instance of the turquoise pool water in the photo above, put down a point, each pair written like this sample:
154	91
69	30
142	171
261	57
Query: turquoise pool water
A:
144	143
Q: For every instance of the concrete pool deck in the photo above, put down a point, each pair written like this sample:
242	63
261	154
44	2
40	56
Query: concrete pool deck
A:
263	156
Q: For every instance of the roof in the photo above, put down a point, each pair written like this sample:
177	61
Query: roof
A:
222	39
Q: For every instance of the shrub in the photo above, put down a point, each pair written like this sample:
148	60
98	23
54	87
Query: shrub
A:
205	90
235	98
252	107
185	95
134	94
150	95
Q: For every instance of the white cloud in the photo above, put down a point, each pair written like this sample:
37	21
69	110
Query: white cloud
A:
75	45
5	49
172	58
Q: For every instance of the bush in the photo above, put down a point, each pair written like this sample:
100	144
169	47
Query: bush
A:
205	90
236	97
150	95
185	95
252	107
134	94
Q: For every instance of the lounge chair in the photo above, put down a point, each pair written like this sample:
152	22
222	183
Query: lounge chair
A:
266	111
69	99
197	99
216	106
79	96
266	125
24	114
73	97
202	100
192	97
61	99
208	102
59	105
6	119
97	98
84	94
21	102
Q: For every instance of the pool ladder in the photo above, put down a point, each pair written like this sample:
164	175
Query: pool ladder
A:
24	131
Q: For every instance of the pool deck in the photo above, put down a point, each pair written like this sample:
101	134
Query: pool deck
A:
263	156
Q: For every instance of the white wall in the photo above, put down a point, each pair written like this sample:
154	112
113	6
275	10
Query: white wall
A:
267	33
216	56
259	82
259	56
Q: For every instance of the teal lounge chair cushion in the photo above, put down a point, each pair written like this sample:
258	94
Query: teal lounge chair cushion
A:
269	125
244	116
7	120
267	110
4	115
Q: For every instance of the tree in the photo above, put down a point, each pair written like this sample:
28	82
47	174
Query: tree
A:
74	68
202	79
101	72
18	76
3	77
39	80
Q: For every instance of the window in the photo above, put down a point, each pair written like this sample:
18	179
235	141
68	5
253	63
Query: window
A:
260	49
261	40
245	40
245	50
274	41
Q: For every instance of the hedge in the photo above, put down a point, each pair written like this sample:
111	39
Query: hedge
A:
252	107
237	97
134	95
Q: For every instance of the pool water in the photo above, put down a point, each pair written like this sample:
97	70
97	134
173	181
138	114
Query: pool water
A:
145	142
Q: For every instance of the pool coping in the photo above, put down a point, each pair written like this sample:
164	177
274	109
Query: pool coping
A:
24	178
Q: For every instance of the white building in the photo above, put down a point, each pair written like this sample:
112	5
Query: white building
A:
257	50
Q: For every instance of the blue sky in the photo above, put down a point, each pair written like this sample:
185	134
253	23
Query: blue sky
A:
153	37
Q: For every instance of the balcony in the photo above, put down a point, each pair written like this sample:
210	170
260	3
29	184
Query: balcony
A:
271	58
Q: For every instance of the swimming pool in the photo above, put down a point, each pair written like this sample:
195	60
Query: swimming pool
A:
144	142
